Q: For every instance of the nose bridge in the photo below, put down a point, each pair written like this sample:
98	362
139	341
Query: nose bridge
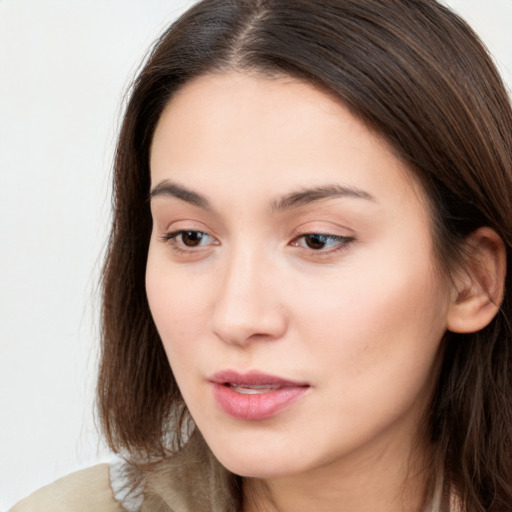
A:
247	305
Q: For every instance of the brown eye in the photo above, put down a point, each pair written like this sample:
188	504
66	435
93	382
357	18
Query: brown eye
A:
189	239
192	238
320	241
316	241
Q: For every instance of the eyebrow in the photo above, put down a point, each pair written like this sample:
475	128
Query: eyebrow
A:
310	195
287	202
168	189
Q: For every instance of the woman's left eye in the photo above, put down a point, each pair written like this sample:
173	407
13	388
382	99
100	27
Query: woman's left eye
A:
321	242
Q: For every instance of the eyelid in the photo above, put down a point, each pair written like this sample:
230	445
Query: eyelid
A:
177	222
324	228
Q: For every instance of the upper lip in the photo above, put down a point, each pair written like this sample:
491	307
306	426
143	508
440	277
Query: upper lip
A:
253	378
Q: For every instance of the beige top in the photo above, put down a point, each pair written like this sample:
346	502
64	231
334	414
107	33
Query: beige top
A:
84	491
190	481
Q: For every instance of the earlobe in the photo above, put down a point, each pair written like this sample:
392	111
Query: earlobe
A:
480	284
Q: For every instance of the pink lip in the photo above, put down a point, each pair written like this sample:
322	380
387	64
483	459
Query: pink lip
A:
282	393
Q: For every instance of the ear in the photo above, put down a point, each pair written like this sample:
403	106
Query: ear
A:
479	286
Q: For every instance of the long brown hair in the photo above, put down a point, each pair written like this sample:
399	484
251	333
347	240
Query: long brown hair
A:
418	75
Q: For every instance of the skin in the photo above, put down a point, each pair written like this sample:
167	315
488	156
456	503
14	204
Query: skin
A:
359	319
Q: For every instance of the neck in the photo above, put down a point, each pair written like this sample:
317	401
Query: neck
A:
356	484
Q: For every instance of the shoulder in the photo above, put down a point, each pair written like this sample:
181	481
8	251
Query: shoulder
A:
84	490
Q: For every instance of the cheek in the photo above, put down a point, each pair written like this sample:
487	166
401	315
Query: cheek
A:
379	318
372	340
176	301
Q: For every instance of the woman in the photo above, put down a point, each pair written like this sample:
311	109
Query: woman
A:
306	303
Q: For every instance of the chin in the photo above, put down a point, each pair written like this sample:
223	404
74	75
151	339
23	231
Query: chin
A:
256	461
263	468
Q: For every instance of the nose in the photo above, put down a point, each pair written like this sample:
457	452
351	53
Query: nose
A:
248	307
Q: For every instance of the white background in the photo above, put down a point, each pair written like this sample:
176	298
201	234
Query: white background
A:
64	65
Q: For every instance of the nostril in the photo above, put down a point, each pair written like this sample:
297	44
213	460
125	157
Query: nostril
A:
247	308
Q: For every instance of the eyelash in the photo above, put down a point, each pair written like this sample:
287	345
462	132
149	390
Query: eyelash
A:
341	242
173	240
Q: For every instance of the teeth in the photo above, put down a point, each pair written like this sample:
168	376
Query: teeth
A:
253	390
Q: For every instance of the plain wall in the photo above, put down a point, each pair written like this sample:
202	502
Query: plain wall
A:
64	66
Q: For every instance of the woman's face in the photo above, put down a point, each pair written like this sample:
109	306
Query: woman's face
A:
291	276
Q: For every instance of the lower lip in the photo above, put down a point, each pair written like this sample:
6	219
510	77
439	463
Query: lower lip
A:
258	406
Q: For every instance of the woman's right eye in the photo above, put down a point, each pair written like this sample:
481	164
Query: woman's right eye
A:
186	240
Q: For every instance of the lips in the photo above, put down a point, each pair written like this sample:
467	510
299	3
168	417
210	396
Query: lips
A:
255	396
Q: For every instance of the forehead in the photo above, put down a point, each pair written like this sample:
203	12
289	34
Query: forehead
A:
268	134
